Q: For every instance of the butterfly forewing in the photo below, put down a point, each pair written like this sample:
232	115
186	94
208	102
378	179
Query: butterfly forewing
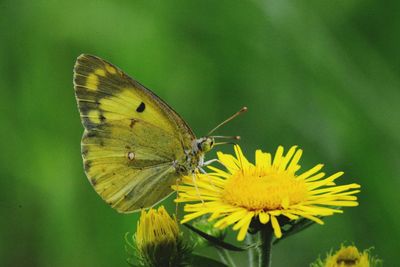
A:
131	139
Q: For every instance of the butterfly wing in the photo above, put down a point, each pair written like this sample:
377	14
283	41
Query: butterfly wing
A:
131	138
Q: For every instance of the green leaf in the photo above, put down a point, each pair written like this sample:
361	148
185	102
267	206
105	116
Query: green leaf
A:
215	241
294	228
201	261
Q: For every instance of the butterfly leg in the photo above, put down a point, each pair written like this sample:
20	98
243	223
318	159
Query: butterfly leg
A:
204	172
196	187
208	162
178	181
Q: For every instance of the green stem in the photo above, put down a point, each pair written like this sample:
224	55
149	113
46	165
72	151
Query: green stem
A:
230	259
251	253
266	235
221	256
226	257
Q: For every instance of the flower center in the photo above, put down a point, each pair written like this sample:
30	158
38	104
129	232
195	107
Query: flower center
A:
257	189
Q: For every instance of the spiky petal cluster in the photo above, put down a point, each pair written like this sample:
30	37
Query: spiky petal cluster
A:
266	191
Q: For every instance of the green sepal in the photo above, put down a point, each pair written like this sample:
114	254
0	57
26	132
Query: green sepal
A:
130	250
162	254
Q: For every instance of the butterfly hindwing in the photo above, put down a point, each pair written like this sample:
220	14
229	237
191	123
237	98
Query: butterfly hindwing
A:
131	136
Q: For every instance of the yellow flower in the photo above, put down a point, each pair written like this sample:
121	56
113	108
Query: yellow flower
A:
158	241
156	226
348	256
266	191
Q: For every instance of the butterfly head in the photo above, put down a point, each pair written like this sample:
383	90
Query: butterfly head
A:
205	144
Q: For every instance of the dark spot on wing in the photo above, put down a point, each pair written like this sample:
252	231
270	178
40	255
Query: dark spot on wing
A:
91	134
102	118
87	165
84	151
133	121
141	107
93	181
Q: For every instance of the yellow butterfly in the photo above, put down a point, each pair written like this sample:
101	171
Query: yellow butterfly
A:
134	146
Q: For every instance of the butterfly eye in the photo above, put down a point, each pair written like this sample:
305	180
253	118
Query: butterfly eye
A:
200	146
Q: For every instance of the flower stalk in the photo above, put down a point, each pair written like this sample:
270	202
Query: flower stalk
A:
265	250
251	252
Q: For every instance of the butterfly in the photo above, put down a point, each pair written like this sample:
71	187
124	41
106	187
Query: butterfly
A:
134	145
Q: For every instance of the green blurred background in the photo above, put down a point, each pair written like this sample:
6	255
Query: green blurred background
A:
320	74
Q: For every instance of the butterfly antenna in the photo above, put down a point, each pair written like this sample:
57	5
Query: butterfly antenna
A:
236	137
243	109
224	143
177	196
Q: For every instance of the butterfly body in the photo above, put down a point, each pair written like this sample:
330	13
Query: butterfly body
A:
194	157
134	146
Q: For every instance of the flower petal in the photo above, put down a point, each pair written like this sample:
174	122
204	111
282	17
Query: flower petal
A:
276	227
243	230
264	192
263	160
244	163
293	167
287	158
278	156
311	171
263	217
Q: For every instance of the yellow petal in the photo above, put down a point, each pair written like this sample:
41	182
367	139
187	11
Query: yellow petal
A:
244	163
264	217
263	160
287	158
278	156
311	171
293	167
243	230
229	161
276	227
244	220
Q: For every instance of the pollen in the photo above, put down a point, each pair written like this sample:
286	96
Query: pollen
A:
261	190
